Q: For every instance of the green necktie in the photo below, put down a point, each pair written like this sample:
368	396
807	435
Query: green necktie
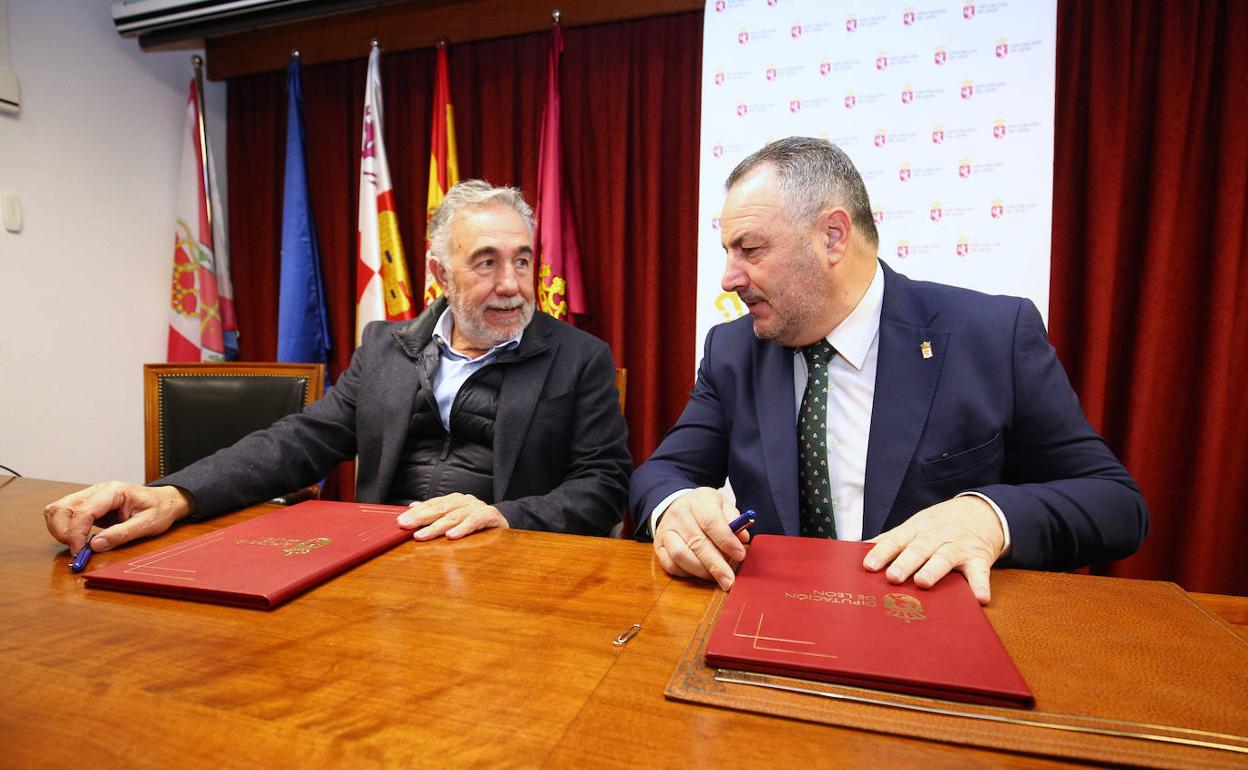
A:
814	490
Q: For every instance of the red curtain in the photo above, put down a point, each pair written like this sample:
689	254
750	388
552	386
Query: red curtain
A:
631	102
1150	227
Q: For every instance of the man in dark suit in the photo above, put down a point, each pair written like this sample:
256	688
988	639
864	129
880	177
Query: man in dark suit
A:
856	403
480	413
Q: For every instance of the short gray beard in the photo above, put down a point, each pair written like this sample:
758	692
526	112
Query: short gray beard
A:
471	318
801	306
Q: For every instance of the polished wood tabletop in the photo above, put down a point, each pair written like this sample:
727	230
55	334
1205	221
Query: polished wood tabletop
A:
495	650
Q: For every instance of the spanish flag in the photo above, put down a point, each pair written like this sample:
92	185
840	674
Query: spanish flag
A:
443	160
383	288
559	284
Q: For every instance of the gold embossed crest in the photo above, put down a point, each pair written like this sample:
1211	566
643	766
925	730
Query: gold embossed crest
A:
289	545
903	607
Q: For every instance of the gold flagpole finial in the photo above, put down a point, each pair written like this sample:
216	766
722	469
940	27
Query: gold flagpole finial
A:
374	43
197	61
294	53
557	15
441	42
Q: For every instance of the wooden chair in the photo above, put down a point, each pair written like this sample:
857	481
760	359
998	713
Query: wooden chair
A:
621	383
192	410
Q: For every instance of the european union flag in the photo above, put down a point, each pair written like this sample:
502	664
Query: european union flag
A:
302	324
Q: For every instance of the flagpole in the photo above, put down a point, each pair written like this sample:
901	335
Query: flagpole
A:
198	63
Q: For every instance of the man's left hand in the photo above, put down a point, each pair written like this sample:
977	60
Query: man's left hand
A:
454	515
963	534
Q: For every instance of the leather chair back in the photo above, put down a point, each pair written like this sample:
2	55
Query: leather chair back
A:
192	410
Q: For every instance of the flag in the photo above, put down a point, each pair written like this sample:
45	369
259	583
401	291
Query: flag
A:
302	324
443	160
383	289
559	284
202	326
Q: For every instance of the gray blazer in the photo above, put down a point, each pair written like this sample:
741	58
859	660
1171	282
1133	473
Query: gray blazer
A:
561	460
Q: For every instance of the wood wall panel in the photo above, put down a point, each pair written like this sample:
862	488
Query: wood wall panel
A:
417	24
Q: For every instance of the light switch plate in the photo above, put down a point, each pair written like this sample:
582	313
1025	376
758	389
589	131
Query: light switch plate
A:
11	211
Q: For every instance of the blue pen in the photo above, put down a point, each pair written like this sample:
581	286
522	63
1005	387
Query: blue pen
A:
79	562
742	521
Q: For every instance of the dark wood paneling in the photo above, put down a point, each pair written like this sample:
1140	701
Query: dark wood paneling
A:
418	24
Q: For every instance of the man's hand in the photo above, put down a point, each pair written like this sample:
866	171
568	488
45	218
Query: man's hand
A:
454	515
141	511
963	534
693	538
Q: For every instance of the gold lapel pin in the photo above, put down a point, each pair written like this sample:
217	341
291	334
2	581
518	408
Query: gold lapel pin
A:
925	347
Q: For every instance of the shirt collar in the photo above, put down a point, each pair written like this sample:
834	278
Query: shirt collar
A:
442	336
852	337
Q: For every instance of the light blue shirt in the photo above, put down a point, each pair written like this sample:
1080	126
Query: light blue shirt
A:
454	368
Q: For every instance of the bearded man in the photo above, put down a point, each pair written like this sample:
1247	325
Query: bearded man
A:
482	412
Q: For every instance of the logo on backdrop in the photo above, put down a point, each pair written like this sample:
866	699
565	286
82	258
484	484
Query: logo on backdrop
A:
719	6
964	168
851	24
907	95
998	129
903	249
968	90
880	137
881	61
903	174
941	55
850	100
795	31
770	74
877	215
963	246
825	67
795	104
1003	48
743	36
938	134
997	209
968	10
936	213
907	17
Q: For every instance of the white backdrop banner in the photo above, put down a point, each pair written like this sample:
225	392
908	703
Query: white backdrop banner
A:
946	108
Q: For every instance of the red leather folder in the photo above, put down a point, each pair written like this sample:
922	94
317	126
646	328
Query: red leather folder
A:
264	561
806	608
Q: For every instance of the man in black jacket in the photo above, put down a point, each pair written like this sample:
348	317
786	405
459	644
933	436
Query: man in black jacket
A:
480	413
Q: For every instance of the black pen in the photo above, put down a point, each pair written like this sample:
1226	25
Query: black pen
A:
79	562
742	521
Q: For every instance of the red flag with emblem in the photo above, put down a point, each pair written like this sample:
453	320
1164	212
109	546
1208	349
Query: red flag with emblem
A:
383	288
202	326
559	286
443	160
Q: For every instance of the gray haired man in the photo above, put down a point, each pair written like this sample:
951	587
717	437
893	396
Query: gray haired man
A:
482	412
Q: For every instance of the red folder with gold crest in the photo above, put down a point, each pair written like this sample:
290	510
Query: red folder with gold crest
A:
806	608
263	561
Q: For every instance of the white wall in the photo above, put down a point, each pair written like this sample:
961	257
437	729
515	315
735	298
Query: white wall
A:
83	288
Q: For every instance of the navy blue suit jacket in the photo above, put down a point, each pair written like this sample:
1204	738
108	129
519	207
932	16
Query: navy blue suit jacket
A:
990	411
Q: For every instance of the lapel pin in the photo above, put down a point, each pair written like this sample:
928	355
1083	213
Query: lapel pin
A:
925	347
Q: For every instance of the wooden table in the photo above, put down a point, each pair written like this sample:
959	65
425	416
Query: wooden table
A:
493	651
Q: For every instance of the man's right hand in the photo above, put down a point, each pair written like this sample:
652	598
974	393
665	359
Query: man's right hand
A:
141	512
693	538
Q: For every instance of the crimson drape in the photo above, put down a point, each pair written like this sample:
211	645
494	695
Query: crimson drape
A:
1149	227
631	101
